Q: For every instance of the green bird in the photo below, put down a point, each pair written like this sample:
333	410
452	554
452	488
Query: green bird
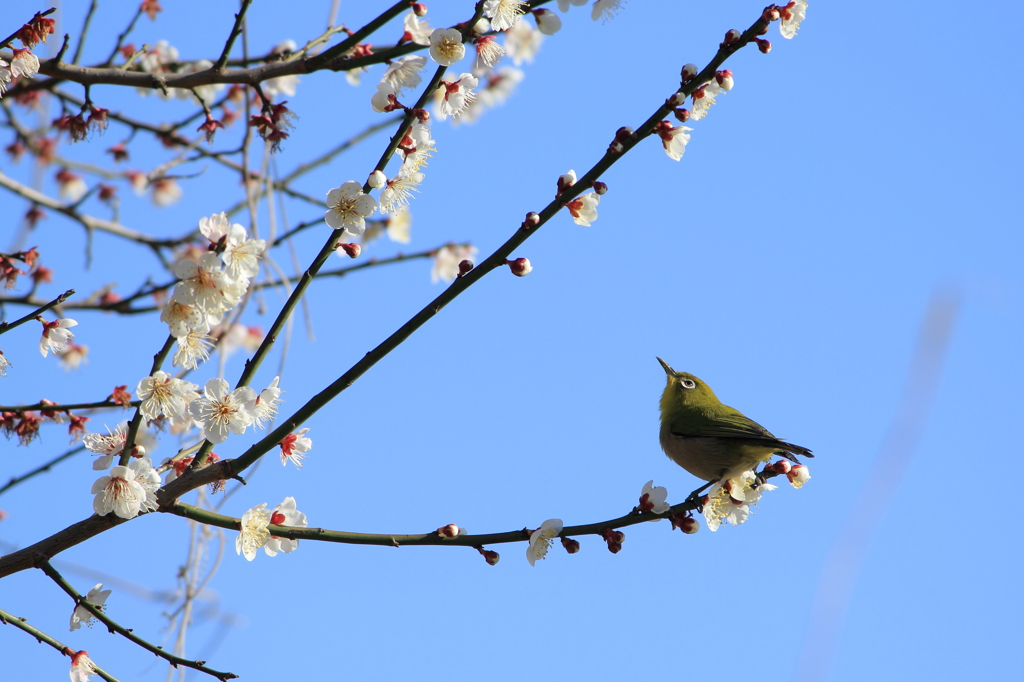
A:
711	440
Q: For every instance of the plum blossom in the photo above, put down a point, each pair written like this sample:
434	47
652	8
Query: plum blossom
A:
265	408
222	411
82	667
540	540
404	72
798	475
652	498
503	14
548	22
703	98
194	347
294	447
416	30
398	192
563	5
148	478
446	46
118	492
97	596
488	52
730	500
349	207
284	514
584	209
457	96
162	394
522	42
55	335
605	9
673	139
107	447
254	534
792	14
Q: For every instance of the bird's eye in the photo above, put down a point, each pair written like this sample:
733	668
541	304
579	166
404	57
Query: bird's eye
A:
689	383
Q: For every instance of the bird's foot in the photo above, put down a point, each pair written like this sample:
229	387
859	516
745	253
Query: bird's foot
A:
696	498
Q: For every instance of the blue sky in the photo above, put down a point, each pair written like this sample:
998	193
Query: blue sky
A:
852	176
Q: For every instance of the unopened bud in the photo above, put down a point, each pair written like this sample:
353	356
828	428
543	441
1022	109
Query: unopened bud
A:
682	115
624	133
798	475
532	220
571	546
724	79
678	99
732	37
490	556
353	250
520	266
465	266
377	180
771	13
689	525
616	147
764	45
419	9
449	531
422	115
600	188
688	72
781	467
565	181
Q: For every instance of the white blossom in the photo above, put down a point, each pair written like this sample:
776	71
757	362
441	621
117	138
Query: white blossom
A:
446	46
97	596
284	514
349	207
118	492
541	539
222	411
253	533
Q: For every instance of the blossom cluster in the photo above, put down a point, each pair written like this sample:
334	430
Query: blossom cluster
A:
210	285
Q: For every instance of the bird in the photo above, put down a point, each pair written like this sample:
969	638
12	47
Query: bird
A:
713	441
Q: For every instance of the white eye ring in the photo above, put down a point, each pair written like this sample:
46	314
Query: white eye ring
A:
689	383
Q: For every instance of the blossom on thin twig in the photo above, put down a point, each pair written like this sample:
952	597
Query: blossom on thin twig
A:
222	411
284	514
97	596
253	531
294	447
540	540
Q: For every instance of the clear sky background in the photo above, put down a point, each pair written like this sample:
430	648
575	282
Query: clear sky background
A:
852	176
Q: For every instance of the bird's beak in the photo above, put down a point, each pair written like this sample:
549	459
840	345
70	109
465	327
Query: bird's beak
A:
668	368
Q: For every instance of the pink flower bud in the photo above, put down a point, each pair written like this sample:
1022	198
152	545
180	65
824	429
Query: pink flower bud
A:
732	37
449	531
571	546
724	79
520	266
353	250
682	115
465	266
616	147
688	72
624	133
599	187
490	556
781	467
771	13
532	220
764	45
676	100
421	114
419	9
798	475
689	526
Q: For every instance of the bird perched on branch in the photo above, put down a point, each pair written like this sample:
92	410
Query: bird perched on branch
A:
711	440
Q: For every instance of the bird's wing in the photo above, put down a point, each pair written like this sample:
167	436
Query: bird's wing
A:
725	423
